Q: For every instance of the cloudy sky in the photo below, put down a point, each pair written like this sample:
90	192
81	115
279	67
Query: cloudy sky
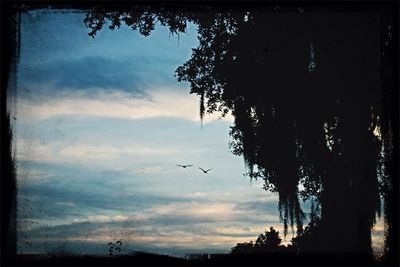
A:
100	125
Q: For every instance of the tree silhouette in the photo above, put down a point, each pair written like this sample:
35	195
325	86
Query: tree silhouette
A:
243	248
269	241
265	243
312	97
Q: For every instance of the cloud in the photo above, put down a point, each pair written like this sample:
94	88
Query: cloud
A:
270	206
154	237
90	153
102	218
147	170
137	235
92	191
161	103
214	210
196	195
188	222
86	73
193	211
84	154
49	200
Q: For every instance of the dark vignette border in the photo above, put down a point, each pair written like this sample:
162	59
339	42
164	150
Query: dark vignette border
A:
10	15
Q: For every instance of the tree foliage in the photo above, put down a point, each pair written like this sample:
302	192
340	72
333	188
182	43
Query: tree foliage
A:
265	243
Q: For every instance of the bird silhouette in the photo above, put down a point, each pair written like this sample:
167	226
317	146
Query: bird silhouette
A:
184	166
205	171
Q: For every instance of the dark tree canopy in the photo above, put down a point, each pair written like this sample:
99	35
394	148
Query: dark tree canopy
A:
269	240
265	243
311	91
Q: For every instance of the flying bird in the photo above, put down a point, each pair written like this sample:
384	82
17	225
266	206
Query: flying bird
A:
205	171
184	166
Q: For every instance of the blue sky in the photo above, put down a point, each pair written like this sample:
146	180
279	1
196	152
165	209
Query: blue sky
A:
101	124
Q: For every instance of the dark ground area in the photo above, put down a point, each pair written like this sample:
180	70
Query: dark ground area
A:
146	259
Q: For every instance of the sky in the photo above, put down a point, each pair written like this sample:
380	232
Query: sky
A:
100	125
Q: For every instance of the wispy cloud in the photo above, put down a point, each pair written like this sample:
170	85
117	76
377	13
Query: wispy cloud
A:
167	103
196	195
196	220
102	218
210	227
64	153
